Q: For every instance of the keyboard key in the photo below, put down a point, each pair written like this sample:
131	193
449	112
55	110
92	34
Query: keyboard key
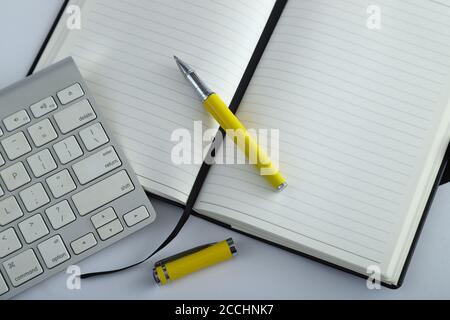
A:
22	268
42	133
96	165
110	229
3	286
41	163
75	116
137	215
70	94
34	197
94	136
53	251
60	214
61	183
16	120
84	243
16	146
43	107
9	211
103	217
33	228
102	192
15	176
68	150
9	242
2	161
1	192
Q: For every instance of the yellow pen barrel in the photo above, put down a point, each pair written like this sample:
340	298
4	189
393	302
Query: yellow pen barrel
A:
185	265
228	121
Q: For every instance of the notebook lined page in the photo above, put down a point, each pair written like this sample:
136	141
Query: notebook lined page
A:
125	49
357	110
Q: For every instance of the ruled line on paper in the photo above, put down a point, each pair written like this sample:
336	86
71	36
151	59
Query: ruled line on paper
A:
310	204
347	114
234	40
288	229
355	26
358	75
310	226
320	132
440	2
352	53
405	10
153	52
224	50
364	107
417	29
339	120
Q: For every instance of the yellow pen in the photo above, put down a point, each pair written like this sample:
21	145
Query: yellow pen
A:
228	121
190	261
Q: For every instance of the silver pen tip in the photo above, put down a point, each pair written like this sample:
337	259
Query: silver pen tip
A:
184	67
194	80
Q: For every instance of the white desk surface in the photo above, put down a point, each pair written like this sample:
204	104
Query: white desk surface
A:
260	271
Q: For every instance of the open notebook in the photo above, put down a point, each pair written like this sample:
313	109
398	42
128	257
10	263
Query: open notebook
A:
363	113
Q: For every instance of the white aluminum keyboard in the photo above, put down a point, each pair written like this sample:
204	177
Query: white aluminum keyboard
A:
66	188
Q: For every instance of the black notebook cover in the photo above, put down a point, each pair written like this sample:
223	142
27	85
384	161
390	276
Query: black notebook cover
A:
442	177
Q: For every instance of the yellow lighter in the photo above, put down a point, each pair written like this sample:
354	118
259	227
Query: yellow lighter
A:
190	261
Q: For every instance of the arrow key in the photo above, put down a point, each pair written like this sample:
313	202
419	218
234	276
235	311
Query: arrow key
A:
137	215
110	229
84	243
103	217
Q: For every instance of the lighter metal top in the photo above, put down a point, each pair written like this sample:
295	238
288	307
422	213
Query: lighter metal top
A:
200	87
